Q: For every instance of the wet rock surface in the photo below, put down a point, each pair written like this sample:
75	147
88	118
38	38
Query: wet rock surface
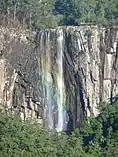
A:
67	68
90	68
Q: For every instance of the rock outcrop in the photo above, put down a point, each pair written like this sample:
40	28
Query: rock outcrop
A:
64	70
17	79
79	70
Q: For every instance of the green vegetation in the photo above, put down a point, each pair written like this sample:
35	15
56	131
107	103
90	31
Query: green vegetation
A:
76	12
43	14
98	137
33	13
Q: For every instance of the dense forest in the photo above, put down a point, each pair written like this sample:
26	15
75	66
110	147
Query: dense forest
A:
98	137
43	14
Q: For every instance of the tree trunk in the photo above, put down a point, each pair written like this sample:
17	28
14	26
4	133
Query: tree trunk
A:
14	16
8	15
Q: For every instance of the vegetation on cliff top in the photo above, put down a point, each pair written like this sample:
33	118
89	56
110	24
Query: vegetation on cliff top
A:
98	137
51	13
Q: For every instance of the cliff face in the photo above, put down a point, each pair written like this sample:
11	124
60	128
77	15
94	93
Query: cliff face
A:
17	79
69	71
79	70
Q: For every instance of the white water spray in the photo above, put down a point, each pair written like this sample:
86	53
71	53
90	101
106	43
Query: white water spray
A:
46	78
48	83
60	80
52	79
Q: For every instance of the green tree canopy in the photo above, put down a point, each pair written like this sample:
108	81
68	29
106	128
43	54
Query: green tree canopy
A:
51	13
98	137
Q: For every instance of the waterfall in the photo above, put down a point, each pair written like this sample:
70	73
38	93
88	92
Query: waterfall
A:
71	70
60	80
51	63
48	80
45	67
69	81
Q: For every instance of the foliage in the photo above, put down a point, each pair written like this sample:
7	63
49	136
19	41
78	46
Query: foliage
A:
29	139
51	13
76	12
98	137
100	133
34	13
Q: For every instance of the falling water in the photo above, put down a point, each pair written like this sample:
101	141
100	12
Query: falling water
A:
49	83
64	69
53	86
45	65
60	80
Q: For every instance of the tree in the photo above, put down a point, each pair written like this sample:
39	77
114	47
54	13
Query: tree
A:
76	12
98	137
100	133
19	139
33	13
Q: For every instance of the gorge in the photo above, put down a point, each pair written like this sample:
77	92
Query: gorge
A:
58	74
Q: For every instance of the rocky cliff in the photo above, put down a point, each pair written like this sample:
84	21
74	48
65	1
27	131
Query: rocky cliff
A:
18	72
79	70
66	72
